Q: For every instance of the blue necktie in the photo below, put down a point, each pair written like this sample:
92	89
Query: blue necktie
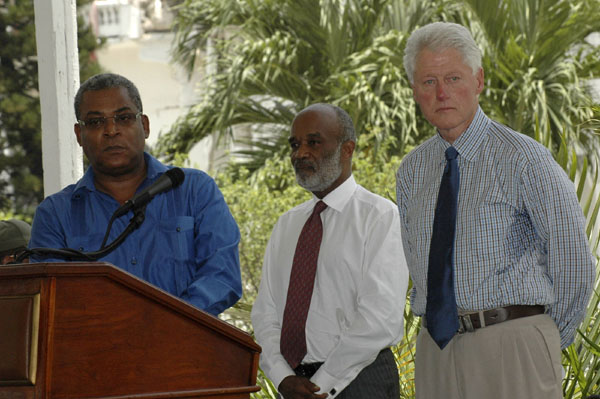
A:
441	313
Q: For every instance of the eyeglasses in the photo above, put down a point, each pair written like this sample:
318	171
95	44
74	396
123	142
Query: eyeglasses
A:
121	120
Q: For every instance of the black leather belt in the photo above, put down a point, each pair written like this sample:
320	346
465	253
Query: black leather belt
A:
307	370
471	321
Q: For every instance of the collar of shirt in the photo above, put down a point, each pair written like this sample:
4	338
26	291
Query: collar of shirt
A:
470	140
339	197
86	183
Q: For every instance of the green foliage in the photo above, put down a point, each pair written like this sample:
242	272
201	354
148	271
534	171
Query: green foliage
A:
10	215
275	57
272	58
581	360
256	202
21	183
536	59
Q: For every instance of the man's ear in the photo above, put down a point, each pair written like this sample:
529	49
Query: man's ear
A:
146	125
348	149
480	80
77	129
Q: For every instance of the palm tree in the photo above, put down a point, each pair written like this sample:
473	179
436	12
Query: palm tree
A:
581	360
275	57
536	61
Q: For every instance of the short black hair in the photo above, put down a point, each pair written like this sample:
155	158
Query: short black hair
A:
107	81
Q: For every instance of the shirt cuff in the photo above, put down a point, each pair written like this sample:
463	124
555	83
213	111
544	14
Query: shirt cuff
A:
279	372
328	383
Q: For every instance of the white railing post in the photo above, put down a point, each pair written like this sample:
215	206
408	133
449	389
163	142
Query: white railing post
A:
58	70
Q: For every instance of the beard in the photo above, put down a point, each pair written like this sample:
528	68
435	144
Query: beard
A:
326	172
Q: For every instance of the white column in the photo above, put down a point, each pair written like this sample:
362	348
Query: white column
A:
58	70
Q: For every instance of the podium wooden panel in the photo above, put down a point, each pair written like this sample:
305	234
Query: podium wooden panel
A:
91	330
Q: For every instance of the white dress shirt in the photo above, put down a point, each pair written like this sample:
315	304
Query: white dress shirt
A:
360	287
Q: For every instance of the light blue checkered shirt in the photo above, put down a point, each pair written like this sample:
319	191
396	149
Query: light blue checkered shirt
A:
520	236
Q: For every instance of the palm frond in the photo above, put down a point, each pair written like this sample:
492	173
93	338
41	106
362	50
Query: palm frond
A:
581	360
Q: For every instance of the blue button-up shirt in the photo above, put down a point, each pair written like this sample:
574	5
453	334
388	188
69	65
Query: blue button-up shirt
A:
520	232
187	245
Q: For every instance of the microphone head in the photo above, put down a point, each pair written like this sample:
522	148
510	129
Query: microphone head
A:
176	175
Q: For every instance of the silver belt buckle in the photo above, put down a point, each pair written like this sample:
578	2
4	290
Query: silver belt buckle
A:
465	324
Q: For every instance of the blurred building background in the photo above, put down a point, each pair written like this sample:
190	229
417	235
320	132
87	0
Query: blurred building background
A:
138	40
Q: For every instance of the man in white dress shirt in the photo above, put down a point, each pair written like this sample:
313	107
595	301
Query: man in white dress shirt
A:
356	306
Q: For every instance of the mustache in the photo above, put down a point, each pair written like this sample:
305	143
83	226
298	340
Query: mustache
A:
304	163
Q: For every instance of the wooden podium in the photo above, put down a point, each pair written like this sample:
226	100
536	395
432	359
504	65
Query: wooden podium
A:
91	330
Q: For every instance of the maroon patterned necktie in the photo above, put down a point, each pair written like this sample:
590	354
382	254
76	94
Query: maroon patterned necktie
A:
302	280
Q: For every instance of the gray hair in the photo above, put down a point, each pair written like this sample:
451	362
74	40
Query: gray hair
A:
107	81
440	36
347	131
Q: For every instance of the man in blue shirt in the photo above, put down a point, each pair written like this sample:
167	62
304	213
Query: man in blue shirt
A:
518	273
188	243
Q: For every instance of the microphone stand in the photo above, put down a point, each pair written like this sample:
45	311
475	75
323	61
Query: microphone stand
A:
139	215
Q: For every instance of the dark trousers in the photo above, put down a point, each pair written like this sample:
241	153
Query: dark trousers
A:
379	380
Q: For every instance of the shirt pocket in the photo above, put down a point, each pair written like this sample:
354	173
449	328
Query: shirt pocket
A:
176	236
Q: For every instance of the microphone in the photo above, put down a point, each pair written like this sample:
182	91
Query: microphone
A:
170	179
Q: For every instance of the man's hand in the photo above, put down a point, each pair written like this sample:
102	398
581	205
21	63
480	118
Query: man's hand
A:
293	387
